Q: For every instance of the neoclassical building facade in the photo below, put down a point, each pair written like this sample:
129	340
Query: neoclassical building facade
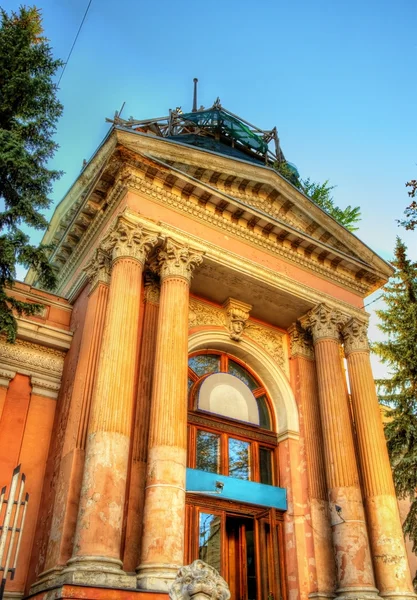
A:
199	386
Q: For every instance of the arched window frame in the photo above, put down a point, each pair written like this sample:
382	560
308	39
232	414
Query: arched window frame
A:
257	436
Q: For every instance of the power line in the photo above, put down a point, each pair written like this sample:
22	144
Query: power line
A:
374	300
75	41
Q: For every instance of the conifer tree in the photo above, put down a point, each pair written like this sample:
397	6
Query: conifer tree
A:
399	393
29	111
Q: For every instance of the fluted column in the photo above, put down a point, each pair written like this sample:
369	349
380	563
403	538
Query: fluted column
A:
163	520
67	498
387	542
350	538
100	516
322	567
141	425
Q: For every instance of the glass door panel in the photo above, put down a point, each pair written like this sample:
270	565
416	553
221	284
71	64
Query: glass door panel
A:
209	547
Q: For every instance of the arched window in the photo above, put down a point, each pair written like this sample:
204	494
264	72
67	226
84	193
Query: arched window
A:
230	421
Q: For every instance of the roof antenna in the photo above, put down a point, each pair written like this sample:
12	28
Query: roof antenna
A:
195	95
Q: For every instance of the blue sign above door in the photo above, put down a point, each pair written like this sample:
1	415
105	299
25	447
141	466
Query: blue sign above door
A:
229	488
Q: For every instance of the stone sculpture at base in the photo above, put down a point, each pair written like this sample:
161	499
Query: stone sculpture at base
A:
199	581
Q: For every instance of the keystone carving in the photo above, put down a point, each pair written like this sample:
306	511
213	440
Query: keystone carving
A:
300	342
237	313
177	260
355	336
199	581
129	240
98	269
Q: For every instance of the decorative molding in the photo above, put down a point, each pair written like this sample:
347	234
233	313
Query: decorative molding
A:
42	334
270	340
324	322
355	336
88	238
6	376
45	387
32	359
176	260
300	343
152	288
202	313
98	270
270	243
128	239
199	581
237	313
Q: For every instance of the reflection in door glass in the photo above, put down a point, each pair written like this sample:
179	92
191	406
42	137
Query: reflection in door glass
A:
209	540
208	451
239	459
265	463
250	561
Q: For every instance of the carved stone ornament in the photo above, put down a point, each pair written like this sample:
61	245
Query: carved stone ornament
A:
237	313
355	336
177	260
199	581
152	288
300	342
325	322
202	313
98	269
272	341
130	240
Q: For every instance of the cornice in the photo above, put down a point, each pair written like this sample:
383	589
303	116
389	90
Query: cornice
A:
43	365
168	150
201	213
45	335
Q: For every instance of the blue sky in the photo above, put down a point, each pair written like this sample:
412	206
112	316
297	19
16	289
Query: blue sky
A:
336	78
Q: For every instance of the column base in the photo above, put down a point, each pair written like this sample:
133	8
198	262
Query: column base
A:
357	593
156	577
398	595
89	571
322	595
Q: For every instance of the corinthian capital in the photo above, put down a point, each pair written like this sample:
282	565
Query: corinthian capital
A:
177	260
325	322
300	342
355	336
98	269
130	240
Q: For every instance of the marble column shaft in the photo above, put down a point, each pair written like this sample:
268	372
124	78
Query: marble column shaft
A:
141	426
350	538
163	521
387	542
100	517
324	583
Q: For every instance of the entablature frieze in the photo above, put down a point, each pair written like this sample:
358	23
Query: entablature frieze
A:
43	365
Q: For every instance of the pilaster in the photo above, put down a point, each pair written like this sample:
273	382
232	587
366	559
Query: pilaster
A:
163	519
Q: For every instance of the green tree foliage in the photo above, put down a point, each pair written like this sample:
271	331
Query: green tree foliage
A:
321	194
399	353
29	111
410	221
